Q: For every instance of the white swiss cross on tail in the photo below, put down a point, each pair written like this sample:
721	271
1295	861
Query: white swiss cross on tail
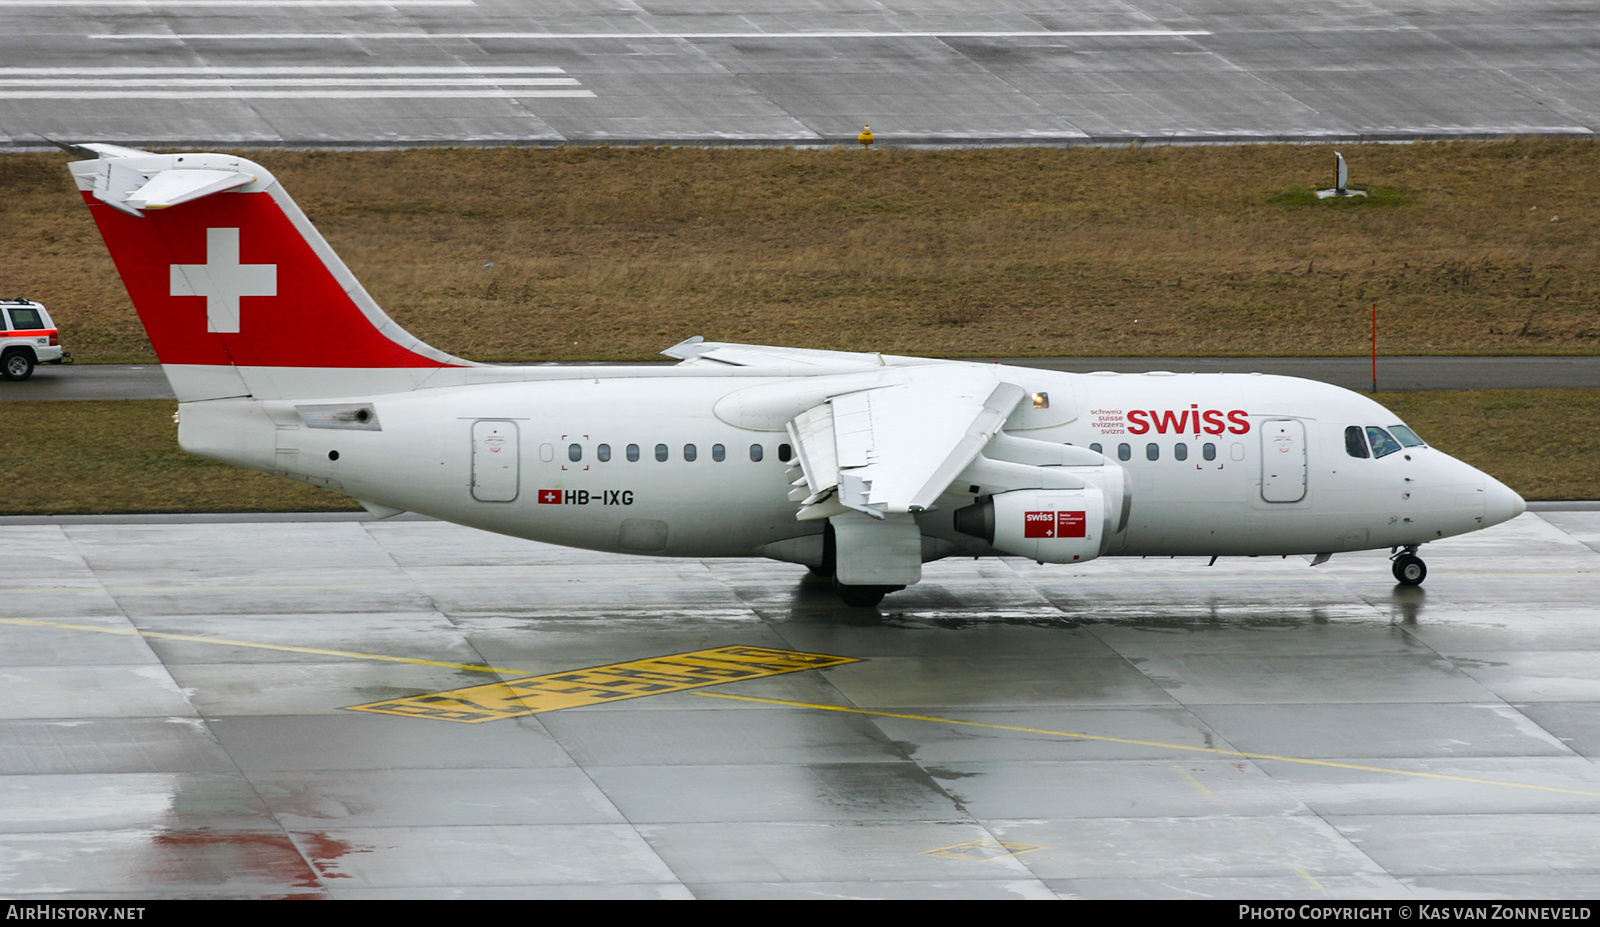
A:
222	280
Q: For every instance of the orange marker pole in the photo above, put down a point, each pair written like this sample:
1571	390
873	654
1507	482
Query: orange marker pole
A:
1374	347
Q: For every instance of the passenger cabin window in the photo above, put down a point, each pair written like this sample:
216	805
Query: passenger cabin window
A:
785	452
1124	452
603	452
755	453
1152	451
1382	444
661	452
1209	452
1097	448
1406	436
1180	451
718	453
1355	443
633	453
574	452
689	453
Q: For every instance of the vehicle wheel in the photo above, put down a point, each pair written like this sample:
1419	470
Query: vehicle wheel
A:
862	596
1409	570
17	365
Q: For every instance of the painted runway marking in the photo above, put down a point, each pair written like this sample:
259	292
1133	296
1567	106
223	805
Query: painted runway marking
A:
206	70
252	82
248	4
982	850
822	661
1215	751
598	685
225	642
420	94
281	83
677	36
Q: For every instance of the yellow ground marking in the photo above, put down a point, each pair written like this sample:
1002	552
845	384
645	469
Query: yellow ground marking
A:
479	668
288	648
982	850
1215	751
598	685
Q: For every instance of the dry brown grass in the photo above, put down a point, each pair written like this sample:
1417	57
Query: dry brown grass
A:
615	253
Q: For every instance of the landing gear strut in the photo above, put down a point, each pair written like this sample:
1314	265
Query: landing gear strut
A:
1409	570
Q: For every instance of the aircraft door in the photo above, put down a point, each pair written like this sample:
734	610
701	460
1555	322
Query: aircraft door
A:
495	464
1283	460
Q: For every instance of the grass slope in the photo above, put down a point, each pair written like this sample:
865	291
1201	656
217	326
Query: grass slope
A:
614	253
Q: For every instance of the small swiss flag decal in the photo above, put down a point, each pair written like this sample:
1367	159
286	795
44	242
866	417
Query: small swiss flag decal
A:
549	497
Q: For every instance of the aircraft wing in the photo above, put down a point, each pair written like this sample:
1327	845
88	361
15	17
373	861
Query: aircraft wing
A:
699	352
894	448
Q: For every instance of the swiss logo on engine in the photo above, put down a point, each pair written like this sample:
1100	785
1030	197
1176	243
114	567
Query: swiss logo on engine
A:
1054	525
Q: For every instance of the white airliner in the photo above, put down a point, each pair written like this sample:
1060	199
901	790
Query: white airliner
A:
863	466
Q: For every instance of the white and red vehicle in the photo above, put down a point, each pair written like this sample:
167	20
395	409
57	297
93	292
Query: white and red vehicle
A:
859	465
28	338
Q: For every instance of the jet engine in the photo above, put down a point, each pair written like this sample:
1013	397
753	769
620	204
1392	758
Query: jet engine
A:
1045	525
1049	503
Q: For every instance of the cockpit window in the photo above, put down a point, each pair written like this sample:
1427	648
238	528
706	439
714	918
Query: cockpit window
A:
1382	443
1355	443
1406	436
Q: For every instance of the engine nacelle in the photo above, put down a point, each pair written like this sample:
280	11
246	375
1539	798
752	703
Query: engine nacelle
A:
1045	525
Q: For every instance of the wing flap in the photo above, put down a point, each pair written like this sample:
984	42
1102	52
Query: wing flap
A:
894	448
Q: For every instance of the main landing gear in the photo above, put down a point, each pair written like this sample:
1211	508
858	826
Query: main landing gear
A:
862	596
853	596
1409	570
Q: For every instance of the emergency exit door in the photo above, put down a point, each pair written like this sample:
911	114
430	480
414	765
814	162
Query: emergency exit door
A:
495	468
1283	460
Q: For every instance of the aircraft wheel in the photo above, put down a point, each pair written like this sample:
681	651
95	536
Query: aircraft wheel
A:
1409	570
862	596
17	365
830	553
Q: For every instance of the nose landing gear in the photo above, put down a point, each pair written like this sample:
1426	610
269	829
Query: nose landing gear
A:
1409	570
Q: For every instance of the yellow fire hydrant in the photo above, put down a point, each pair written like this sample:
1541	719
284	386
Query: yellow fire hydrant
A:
865	138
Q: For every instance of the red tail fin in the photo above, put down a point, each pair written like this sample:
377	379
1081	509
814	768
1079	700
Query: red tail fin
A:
226	272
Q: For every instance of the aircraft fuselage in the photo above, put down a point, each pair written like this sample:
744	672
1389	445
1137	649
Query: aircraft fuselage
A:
1216	464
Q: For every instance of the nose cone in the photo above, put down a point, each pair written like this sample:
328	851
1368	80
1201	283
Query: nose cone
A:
1500	502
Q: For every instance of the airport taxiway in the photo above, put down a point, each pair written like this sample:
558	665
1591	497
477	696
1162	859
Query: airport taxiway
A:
146	381
405	72
245	706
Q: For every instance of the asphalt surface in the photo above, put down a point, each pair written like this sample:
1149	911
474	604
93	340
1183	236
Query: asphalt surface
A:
115	381
250	708
406	72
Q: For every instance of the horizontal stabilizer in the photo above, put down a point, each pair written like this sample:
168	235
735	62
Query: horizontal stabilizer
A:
169	188
98	149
